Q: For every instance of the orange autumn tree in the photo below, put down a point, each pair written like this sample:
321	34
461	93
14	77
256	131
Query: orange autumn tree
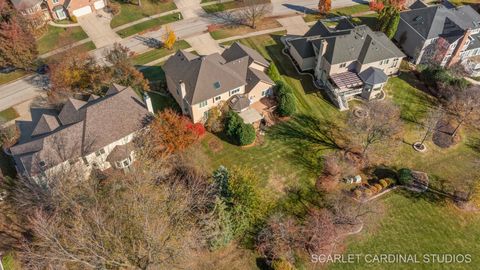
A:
169	133
324	6
169	38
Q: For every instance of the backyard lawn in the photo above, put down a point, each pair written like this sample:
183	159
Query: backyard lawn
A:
130	12
11	76
155	54
152	24
56	37
418	224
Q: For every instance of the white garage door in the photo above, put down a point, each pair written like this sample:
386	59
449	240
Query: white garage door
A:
82	11
99	4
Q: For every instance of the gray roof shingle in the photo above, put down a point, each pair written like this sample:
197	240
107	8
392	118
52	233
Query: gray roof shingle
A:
98	123
373	75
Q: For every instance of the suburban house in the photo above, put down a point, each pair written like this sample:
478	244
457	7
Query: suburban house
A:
36	10
442	34
61	9
237	76
347	60
91	133
56	9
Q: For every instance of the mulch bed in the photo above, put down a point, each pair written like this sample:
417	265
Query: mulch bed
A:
442	137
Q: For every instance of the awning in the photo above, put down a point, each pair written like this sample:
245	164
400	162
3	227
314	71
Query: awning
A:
346	80
250	116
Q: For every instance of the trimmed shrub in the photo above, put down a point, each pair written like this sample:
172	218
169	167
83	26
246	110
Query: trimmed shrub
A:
405	176
237	130
373	189
378	187
245	134
368	192
73	19
384	183
286	100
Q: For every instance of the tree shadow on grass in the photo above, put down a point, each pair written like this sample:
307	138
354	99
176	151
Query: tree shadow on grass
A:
474	144
428	196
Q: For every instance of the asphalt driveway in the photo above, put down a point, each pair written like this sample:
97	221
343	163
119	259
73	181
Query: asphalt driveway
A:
97	27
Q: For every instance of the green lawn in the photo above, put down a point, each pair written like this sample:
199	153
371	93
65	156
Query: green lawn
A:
130	12
237	30
155	54
344	11
8	114
418	224
9	263
219	7
56	37
152	24
8	77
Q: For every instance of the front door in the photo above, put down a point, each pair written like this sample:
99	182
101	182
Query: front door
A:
60	13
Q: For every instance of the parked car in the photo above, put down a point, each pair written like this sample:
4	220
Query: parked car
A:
43	69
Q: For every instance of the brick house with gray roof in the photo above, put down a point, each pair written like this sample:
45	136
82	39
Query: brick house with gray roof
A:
93	133
346	59
442	34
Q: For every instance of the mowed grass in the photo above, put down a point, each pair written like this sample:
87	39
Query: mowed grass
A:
155	54
56	37
11	76
149	25
236	30
219	7
130	12
417	224
8	114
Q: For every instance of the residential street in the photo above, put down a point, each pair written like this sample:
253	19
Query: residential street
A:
21	90
193	27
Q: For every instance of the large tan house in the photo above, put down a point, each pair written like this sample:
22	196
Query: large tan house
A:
199	83
85	134
347	60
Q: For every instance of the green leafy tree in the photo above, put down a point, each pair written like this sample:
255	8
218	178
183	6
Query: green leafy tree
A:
388	18
405	176
246	134
233	121
286	100
17	43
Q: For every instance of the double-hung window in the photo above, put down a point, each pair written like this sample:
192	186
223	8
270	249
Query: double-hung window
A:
203	104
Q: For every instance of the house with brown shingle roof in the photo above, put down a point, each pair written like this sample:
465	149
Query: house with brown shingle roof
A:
94	133
199	83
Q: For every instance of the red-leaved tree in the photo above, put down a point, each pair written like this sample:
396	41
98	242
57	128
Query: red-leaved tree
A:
324	6
17	43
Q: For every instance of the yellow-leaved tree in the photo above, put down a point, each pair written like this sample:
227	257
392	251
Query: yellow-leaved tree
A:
169	38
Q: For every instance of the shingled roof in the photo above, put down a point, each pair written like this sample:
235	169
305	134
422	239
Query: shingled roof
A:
80	128
211	75
439	20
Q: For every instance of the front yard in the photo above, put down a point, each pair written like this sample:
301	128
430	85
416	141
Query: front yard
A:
57	37
344	11
144	58
152	24
11	76
236	30
130	12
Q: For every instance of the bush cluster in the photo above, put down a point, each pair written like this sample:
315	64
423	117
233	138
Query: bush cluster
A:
286	100
435	76
404	176
373	189
238	131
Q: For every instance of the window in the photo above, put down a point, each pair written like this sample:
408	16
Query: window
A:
264	93
126	163
55	1
234	91
85	161
100	152
216	85
203	103
342	65
217	98
42	164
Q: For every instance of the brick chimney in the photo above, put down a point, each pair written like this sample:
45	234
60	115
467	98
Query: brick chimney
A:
456	53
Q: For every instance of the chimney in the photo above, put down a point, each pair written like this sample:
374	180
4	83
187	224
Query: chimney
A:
148	102
456	53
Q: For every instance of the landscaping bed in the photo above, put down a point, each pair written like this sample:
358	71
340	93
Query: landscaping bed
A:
149	25
130	12
56	37
344	11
